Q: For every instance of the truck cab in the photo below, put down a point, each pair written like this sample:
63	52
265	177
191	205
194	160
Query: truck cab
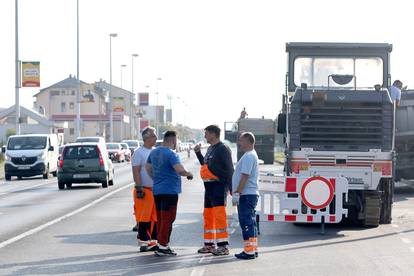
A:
338	121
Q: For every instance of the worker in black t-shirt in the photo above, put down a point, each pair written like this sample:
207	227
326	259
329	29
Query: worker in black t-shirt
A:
216	172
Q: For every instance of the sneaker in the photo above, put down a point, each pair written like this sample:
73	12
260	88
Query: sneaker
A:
244	256
221	251
135	228
148	248
207	249
165	252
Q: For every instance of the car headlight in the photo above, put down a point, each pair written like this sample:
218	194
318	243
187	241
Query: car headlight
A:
7	157
41	156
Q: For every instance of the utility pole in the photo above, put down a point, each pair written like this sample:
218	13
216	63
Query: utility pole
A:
78	118
17	65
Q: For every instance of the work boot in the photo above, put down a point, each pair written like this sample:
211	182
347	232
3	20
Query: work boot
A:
207	249
221	251
244	256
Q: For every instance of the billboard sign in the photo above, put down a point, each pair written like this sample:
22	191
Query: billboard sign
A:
30	74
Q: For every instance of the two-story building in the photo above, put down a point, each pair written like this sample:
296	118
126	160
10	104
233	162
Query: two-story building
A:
58	103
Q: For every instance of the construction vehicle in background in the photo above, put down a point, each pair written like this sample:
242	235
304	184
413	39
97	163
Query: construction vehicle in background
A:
264	131
338	126
404	137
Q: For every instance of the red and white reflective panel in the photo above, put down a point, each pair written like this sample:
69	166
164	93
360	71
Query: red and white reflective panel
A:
317	192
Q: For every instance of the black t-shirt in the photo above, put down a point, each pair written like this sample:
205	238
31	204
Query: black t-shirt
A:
219	162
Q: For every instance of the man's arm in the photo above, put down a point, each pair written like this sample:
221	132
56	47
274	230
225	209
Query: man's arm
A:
200	157
182	171
136	173
148	168
242	183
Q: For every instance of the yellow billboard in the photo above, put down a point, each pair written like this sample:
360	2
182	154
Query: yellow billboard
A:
31	74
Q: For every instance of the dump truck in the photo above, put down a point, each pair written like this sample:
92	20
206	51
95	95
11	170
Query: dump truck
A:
264	131
404	137
338	125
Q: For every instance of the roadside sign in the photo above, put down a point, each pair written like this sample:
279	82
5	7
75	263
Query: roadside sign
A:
30	74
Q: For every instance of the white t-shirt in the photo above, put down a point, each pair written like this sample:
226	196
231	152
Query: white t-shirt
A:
139	158
248	164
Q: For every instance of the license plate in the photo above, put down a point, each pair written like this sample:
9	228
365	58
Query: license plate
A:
24	167
81	175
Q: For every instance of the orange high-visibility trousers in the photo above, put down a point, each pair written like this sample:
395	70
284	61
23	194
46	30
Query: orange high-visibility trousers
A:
215	218
146	216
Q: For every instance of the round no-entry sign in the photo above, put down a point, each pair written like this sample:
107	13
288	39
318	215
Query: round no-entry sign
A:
317	192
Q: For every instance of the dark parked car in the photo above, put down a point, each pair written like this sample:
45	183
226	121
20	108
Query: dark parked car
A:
85	163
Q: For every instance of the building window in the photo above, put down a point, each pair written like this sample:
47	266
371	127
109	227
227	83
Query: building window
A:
54	93
73	92
71	105
62	107
63	92
71	131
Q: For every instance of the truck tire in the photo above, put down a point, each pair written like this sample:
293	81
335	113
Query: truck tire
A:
372	209
7	177
386	201
68	185
54	173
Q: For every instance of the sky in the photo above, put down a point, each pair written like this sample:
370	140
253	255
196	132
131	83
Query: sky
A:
213	57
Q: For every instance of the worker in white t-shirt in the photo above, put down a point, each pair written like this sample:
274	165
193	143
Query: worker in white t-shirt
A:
144	205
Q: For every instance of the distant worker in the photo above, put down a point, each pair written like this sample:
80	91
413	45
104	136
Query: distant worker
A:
165	168
246	194
216	172
144	205
243	114
395	91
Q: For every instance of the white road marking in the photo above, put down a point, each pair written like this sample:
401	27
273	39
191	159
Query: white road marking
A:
394	225
405	240
412	249
201	268
52	222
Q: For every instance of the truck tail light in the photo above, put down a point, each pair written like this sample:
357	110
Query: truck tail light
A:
384	167
296	167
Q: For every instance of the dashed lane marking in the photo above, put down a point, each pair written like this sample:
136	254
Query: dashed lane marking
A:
405	240
201	268
394	225
412	249
52	222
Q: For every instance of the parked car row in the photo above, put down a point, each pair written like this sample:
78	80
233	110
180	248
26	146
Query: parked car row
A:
88	160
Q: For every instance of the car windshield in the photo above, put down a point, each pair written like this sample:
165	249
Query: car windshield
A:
315	71
112	146
93	140
132	143
124	145
27	143
81	152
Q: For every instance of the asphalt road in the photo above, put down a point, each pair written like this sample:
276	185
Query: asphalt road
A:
64	238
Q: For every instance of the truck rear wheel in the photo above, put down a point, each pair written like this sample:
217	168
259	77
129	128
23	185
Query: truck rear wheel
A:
387	200
372	209
7	177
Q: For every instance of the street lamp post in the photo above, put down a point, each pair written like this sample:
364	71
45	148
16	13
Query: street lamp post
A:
132	117
156	107
122	67
17	81
77	127
111	121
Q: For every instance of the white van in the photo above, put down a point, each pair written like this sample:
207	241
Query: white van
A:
30	155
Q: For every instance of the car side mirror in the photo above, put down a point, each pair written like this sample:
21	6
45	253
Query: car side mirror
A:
3	149
281	123
51	148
